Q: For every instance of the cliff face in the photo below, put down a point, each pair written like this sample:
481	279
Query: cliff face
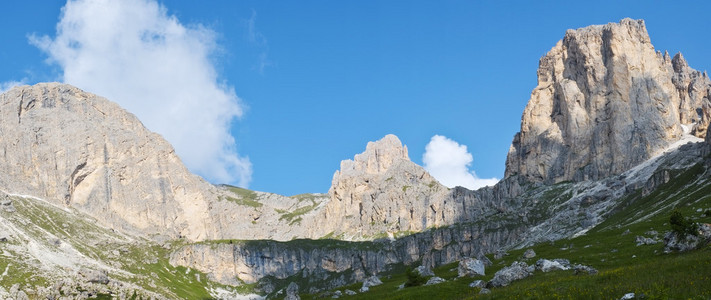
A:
605	102
332	263
80	150
77	149
382	191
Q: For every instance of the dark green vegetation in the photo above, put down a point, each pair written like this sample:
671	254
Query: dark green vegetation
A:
414	278
681	225
609	247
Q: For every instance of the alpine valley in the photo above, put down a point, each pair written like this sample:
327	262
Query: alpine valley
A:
606	195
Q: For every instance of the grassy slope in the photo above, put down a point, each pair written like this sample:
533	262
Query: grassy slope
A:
146	263
624	267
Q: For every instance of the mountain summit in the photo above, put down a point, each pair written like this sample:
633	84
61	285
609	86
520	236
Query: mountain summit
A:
605	102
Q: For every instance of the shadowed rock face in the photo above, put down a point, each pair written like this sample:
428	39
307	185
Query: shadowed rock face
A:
605	102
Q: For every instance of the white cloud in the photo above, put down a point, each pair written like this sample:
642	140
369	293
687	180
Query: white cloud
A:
136	54
7	85
449	163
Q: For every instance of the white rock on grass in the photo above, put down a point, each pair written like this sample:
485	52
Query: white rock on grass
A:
627	296
470	267
370	282
435	280
546	265
516	271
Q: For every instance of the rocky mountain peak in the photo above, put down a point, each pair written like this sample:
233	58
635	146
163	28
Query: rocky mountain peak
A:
605	102
377	158
381	190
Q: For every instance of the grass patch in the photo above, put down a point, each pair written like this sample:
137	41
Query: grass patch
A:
297	213
246	197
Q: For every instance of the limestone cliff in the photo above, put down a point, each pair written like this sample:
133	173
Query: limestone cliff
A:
332	263
79	150
605	102
381	191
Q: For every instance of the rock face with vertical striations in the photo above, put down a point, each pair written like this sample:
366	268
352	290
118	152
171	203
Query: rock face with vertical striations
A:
605	102
381	191
77	149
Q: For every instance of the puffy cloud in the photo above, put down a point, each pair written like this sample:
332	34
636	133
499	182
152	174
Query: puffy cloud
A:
136	54
449	162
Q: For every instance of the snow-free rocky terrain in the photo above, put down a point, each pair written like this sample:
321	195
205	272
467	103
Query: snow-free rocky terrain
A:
92	204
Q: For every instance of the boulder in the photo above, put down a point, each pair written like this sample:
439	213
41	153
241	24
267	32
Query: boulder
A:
627	296
529	254
370	281
470	267
640	240
435	280
582	269
516	271
546	265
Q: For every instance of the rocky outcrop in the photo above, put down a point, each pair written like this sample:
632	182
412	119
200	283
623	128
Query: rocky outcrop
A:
382	191
694	88
681	242
470	267
516	271
605	102
332	263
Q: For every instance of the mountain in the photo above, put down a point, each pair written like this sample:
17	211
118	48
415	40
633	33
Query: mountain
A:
612	140
76	149
605	102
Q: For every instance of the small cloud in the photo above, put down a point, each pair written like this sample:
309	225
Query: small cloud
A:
253	35
258	40
136	54
449	163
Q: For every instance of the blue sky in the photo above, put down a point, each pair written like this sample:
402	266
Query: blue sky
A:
317	80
